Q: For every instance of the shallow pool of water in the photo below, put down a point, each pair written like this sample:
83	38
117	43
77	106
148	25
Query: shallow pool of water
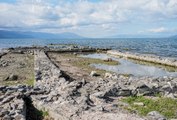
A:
129	67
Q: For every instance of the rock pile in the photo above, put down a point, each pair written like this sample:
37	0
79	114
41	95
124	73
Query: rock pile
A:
4	63
12	105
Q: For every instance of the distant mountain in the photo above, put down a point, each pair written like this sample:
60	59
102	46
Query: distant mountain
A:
13	34
40	35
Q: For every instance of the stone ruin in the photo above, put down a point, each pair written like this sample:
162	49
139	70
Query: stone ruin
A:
67	99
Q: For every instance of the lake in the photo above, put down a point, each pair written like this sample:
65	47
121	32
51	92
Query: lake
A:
166	47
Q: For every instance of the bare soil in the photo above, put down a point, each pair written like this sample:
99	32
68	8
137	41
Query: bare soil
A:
77	67
21	65
65	62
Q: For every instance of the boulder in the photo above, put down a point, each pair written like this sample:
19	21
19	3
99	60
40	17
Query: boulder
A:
5	78
124	92
3	112
154	115
143	89
19	117
97	98
113	90
3	63
108	60
13	77
138	103
94	74
7	117
108	75
38	75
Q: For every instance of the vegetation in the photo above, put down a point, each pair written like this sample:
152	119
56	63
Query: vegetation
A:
26	82
166	106
42	113
30	82
85	63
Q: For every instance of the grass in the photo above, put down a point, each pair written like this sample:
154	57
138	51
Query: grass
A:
86	62
30	82
166	106
42	113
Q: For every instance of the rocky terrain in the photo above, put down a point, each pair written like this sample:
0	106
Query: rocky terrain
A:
67	99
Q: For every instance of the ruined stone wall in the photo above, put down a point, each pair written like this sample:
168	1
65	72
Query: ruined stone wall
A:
92	100
12	104
148	58
73	100
78	100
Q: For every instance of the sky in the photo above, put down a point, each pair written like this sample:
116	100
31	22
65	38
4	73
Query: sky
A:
91	18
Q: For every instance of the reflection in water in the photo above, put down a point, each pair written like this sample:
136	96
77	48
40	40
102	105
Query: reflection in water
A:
128	67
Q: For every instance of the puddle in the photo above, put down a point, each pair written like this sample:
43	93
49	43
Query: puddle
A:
129	67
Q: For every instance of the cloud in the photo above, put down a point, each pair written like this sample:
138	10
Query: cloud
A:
158	30
83	15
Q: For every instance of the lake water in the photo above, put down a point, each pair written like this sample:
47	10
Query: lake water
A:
129	67
159	46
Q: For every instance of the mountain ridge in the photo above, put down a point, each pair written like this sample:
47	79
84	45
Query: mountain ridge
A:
17	34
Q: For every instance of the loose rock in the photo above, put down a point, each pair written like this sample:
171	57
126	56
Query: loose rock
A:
154	115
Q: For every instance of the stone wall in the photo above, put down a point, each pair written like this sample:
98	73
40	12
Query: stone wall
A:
12	105
148	58
93	100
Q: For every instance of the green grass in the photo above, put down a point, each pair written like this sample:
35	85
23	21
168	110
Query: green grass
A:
166	106
42	113
25	82
30	82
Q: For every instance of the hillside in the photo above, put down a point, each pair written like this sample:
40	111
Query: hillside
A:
16	34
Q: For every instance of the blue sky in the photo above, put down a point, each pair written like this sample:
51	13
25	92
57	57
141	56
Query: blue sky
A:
91	18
